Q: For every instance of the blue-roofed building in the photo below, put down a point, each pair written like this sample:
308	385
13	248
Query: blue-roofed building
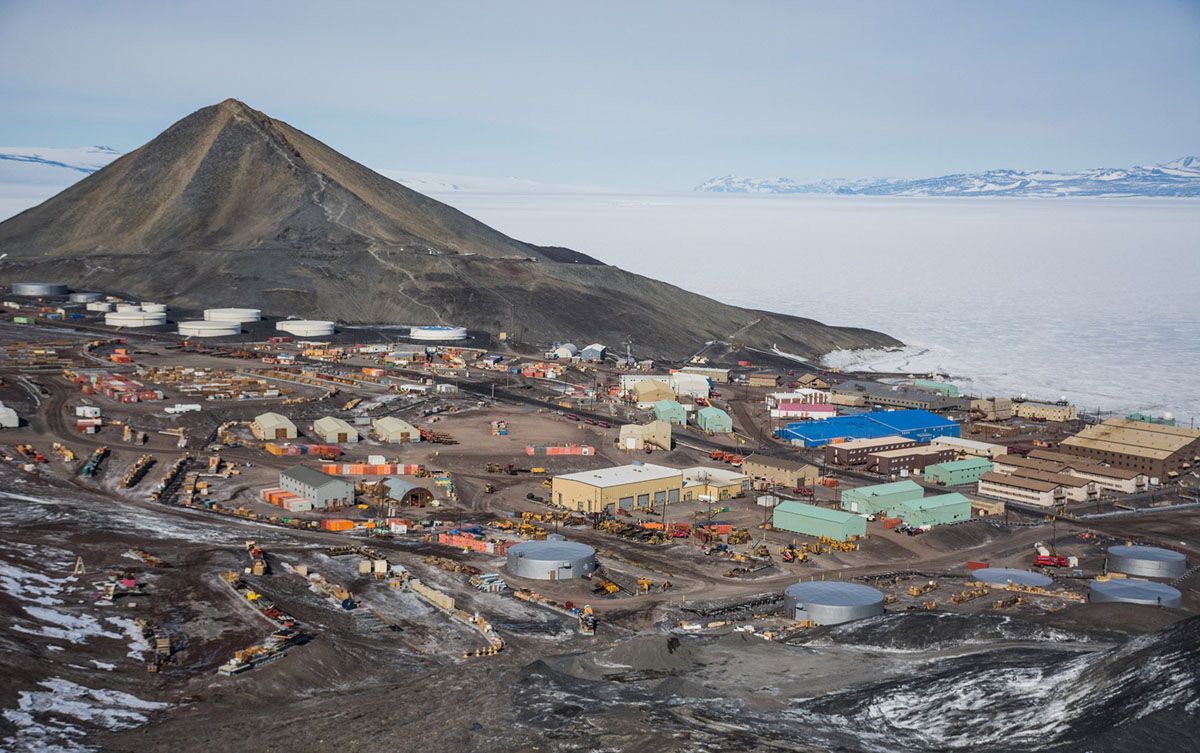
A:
918	425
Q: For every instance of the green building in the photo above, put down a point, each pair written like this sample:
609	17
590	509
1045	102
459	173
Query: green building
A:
942	388
670	411
934	511
958	472
810	520
714	421
880	498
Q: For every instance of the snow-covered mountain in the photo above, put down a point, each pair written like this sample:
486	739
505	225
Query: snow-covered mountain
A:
1179	177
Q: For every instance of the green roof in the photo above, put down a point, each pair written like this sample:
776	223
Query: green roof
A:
959	465
891	488
933	503
711	412
812	511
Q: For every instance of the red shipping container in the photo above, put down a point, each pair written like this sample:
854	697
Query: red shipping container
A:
891	522
972	565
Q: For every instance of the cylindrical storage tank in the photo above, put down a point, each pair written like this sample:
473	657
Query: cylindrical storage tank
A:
551	560
1134	591
39	288
128	307
1003	575
1146	561
438	332
154	308
305	328
828	602
100	306
209	329
134	319
85	297
232	315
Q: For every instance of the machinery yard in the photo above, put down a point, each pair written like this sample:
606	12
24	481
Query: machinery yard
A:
430	567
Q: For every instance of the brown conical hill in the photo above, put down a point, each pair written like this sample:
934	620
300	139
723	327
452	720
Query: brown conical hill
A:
231	207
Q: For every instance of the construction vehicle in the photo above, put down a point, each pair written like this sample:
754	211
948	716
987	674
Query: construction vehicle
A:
605	586
644	584
92	466
29	453
137	471
1047	557
67	455
923	588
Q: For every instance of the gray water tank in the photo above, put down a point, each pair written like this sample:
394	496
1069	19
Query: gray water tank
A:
39	288
551	560
85	297
1134	591
1146	561
831	602
1003	575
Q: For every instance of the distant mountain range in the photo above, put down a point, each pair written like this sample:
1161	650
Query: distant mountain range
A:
1180	177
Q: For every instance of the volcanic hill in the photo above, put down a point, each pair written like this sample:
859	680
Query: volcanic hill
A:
229	207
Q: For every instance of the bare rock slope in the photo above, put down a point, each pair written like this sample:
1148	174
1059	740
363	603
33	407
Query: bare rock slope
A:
231	207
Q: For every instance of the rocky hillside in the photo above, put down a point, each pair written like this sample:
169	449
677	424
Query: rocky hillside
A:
231	207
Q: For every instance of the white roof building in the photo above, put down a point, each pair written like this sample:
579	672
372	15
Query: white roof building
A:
8	417
623	474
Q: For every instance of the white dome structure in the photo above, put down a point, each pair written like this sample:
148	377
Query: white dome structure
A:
135	318
84	297
99	306
209	329
438	333
305	327
241	316
128	307
154	308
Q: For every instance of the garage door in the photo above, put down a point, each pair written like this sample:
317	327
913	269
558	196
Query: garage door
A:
626	503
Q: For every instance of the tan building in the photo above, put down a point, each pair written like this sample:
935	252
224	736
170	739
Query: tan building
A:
651	391
1073	488
847	401
855	451
1120	480
780	471
718	376
1154	450
1019	489
395	430
1044	411
656	434
702	484
270	426
624	487
992	409
334	430
763	379
970	447
814	381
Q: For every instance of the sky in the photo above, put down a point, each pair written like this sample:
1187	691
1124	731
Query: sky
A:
657	95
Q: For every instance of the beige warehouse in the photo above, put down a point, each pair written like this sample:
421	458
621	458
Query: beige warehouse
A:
270	426
624	487
395	430
334	430
780	471
649	391
656	434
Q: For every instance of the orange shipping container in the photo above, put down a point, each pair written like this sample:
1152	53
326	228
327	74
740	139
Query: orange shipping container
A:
337	524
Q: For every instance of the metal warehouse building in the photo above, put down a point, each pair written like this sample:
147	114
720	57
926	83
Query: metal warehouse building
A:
1153	449
938	510
551	560
273	426
625	487
918	425
831	602
317	488
811	520
334	430
879	498
670	411
714	421
958	472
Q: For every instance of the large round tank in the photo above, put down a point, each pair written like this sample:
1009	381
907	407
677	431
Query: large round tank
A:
1003	575
85	297
99	306
209	329
1146	561
831	602
128	307
305	328
1134	591
154	308
551	560
438	332
39	288
134	319
233	315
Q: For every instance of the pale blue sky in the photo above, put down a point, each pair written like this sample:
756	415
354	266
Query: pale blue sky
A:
658	95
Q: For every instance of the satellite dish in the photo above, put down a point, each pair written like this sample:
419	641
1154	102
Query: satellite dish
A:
1023	396
1062	398
1168	416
